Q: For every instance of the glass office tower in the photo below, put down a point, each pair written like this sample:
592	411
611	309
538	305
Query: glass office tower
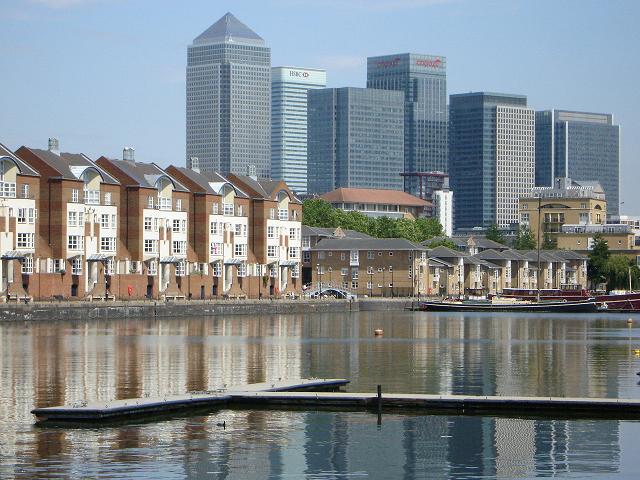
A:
289	87
423	79
355	139
491	157
582	146
229	99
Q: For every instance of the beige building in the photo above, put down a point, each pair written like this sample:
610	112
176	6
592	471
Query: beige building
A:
378	203
375	267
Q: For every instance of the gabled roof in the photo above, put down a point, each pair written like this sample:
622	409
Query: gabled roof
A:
210	182
22	166
71	166
145	174
445	252
264	188
366	244
308	231
499	255
372	195
229	30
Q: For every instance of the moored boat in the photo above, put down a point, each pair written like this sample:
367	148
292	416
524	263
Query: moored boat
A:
577	306
615	301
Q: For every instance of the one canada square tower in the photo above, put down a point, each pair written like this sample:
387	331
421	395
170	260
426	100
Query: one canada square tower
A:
229	99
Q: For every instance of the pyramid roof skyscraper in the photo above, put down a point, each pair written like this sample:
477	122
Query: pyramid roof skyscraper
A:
229	30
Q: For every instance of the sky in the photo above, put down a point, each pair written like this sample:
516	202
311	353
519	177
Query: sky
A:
104	74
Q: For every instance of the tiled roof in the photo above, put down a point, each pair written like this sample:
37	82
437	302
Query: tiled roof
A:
371	195
330	232
209	182
66	164
22	166
263	187
145	174
366	244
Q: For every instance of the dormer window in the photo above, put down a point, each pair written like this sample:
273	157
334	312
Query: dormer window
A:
91	188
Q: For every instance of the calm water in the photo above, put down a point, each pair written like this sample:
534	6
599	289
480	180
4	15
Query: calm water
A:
64	362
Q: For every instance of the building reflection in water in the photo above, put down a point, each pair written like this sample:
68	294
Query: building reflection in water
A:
50	364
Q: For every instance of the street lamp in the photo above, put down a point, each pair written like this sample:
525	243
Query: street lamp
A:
370	283
391	270
319	276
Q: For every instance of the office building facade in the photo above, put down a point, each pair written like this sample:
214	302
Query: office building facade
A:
492	158
289	87
423	79
579	145
229	99
355	139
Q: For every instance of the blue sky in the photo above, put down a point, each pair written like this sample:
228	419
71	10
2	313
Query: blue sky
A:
102	74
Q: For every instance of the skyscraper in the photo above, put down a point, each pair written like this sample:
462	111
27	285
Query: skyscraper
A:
491	162
582	146
229	99
355	139
423	79
289	87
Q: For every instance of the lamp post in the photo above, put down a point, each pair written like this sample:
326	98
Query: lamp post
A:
383	284
370	283
391	270
319	277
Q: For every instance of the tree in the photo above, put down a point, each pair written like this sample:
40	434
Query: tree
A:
549	242
618	271
442	242
494	233
524	240
384	227
318	213
598	259
427	228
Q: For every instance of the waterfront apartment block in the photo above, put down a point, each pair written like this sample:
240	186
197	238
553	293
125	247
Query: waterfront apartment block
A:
77	225
423	80
289	87
229	99
491	157
376	267
378	203
583	146
355	139
621	238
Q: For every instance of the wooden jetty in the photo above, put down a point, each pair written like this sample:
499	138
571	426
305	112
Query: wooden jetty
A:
287	394
118	409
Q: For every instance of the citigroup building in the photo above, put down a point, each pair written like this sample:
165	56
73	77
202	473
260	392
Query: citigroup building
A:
289	87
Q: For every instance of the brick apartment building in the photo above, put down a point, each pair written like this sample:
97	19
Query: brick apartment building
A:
76	228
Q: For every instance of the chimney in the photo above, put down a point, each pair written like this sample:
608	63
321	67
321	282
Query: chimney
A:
54	145
252	172
128	154
195	164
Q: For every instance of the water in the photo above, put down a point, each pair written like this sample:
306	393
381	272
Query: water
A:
506	354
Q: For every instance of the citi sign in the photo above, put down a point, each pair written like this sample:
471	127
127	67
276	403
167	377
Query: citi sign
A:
294	73
388	63
437	63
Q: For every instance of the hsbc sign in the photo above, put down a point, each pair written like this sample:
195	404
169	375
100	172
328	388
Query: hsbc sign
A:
297	73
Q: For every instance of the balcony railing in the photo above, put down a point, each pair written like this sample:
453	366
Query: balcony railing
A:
7	189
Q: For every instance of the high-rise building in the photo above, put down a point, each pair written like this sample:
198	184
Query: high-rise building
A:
582	146
289	87
229	99
423	79
355	139
491	157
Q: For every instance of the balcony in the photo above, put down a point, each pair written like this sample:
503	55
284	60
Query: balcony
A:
7	189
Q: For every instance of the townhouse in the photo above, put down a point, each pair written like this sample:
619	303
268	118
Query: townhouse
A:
154	222
274	236
219	235
375	267
19	198
77	225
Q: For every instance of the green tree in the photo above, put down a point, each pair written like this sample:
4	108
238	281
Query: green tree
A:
620	269
549	242
318	213
598	260
427	228
441	242
524	240
384	227
406	229
494	233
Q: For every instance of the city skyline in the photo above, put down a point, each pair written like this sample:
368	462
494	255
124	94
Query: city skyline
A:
100	110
